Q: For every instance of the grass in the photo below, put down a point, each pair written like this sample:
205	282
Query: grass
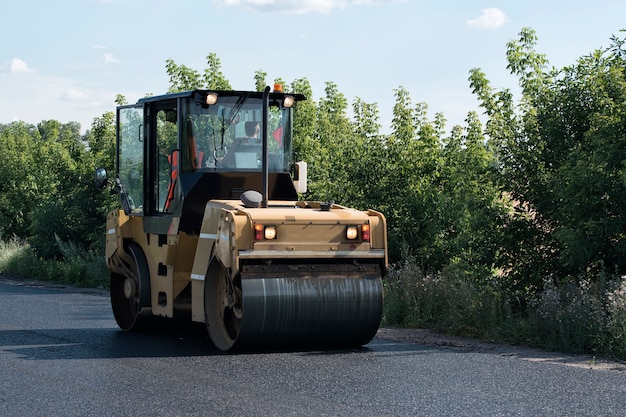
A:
444	301
582	315
77	267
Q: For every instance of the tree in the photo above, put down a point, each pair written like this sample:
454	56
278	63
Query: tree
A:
305	113
19	185
71	208
581	123
259	80
214	79
561	154
181	77
473	208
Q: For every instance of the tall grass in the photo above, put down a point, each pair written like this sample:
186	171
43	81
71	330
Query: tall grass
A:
78	266
10	250
581	315
446	301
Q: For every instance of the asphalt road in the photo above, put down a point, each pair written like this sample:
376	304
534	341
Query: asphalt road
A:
61	354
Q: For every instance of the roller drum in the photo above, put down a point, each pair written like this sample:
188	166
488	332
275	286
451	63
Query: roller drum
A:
310	305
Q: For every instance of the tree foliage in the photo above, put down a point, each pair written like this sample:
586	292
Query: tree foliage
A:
562	157
21	178
413	175
184	78
47	183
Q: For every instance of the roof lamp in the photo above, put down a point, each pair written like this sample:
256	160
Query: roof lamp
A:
211	98
288	101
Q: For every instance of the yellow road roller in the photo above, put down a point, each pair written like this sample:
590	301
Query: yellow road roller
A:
212	228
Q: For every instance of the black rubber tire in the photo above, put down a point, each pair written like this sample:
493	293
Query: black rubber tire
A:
222	319
127	311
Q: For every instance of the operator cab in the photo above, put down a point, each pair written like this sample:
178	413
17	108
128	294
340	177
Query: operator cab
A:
177	151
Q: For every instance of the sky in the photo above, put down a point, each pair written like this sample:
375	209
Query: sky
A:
67	60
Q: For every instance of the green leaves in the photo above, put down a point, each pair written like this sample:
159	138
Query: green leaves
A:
46	183
183	78
19	185
562	157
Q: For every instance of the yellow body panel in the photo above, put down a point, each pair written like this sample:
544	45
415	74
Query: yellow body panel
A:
178	260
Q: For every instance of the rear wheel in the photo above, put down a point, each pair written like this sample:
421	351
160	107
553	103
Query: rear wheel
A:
222	306
130	289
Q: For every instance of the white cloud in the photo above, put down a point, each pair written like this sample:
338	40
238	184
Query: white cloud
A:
86	98
300	6
75	95
15	66
110	59
52	98
491	18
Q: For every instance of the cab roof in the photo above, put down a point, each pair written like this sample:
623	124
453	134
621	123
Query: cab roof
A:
226	93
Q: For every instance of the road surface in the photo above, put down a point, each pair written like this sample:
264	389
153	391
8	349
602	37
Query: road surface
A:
61	354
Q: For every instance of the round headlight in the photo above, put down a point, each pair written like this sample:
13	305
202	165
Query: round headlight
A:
270	232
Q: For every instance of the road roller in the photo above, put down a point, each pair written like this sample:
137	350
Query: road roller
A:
212	227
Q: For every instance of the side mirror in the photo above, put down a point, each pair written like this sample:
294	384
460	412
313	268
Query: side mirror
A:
101	178
300	177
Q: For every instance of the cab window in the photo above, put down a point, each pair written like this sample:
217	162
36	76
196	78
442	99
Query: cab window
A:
130	155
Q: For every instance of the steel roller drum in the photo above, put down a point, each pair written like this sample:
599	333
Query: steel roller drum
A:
310	305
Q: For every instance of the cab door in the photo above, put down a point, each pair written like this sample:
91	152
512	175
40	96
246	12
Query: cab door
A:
130	158
162	156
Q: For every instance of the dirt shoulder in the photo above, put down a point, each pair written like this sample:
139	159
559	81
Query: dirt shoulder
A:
29	282
430	338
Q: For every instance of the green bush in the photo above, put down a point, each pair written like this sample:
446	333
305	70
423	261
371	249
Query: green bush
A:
447	301
77	267
582	315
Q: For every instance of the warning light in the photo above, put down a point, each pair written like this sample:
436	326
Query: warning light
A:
258	232
365	232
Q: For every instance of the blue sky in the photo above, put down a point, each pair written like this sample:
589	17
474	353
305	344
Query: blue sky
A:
68	59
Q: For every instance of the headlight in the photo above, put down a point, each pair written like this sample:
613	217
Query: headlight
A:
270	232
352	232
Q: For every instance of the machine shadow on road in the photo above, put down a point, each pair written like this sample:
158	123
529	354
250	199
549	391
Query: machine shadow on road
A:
99	343
164	341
